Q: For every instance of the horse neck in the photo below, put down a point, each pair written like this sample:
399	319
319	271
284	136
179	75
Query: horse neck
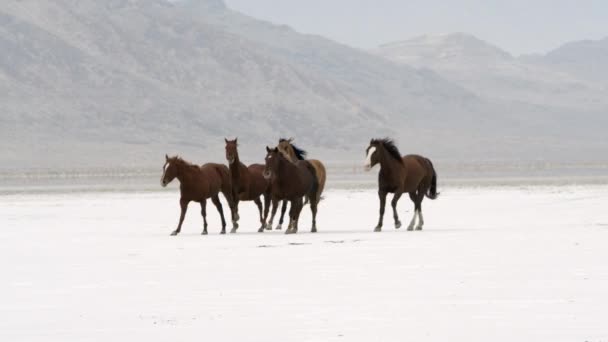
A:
292	155
182	173
389	165
286	169
234	167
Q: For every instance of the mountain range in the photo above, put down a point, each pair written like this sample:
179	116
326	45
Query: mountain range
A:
122	82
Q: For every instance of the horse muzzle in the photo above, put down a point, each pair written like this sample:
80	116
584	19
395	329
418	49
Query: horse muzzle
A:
367	167
230	160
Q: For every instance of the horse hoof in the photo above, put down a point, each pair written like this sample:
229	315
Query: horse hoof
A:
313	230
233	231
378	229
418	228
204	232
290	231
410	228
278	227
261	230
174	233
397	225
223	232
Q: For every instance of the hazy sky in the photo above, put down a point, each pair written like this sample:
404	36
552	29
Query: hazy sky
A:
518	26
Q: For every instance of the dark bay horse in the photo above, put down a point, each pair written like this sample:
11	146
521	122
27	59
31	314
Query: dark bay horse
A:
413	174
248	182
197	184
293	154
292	182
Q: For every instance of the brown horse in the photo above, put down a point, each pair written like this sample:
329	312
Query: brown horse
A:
248	182
292	181
293	154
198	183
413	174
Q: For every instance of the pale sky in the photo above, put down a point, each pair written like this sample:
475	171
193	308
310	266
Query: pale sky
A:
517	26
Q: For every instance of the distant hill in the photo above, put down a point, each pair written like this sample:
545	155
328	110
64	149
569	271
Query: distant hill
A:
121	82
586	59
493	73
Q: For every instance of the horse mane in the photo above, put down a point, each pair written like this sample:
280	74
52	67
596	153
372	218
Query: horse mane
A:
389	146
300	153
179	160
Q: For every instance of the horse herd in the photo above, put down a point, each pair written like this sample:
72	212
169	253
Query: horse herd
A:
289	177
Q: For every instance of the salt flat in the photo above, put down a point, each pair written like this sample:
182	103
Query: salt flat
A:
493	264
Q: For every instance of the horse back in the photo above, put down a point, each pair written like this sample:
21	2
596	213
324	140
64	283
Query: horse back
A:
218	176
417	171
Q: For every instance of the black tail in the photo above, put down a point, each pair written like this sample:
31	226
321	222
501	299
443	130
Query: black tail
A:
432	193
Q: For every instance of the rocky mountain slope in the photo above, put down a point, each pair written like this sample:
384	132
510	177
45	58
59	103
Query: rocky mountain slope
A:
121	82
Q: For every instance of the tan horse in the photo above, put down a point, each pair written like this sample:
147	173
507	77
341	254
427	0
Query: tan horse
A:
411	174
197	184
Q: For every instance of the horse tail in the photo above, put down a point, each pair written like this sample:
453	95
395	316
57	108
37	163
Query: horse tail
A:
432	192
321	176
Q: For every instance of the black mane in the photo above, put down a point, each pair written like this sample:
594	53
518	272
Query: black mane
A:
300	153
389	146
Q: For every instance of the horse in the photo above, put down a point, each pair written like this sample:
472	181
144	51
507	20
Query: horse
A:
198	183
293	154
292	181
413	174
248	182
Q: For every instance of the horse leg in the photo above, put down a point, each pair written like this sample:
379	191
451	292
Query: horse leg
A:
204	213
313	209
235	212
394	205
382	196
419	210
413	197
283	210
275	206
266	208
184	207
291	217
258	203
294	215
216	201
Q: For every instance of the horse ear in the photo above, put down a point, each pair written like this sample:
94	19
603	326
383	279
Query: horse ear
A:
267	149
226	140
290	140
236	140
166	157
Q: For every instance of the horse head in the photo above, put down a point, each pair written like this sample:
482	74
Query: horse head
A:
231	150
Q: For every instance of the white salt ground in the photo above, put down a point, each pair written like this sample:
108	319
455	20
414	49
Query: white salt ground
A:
492	264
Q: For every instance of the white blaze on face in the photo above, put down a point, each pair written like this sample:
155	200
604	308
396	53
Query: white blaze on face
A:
162	179
368	159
